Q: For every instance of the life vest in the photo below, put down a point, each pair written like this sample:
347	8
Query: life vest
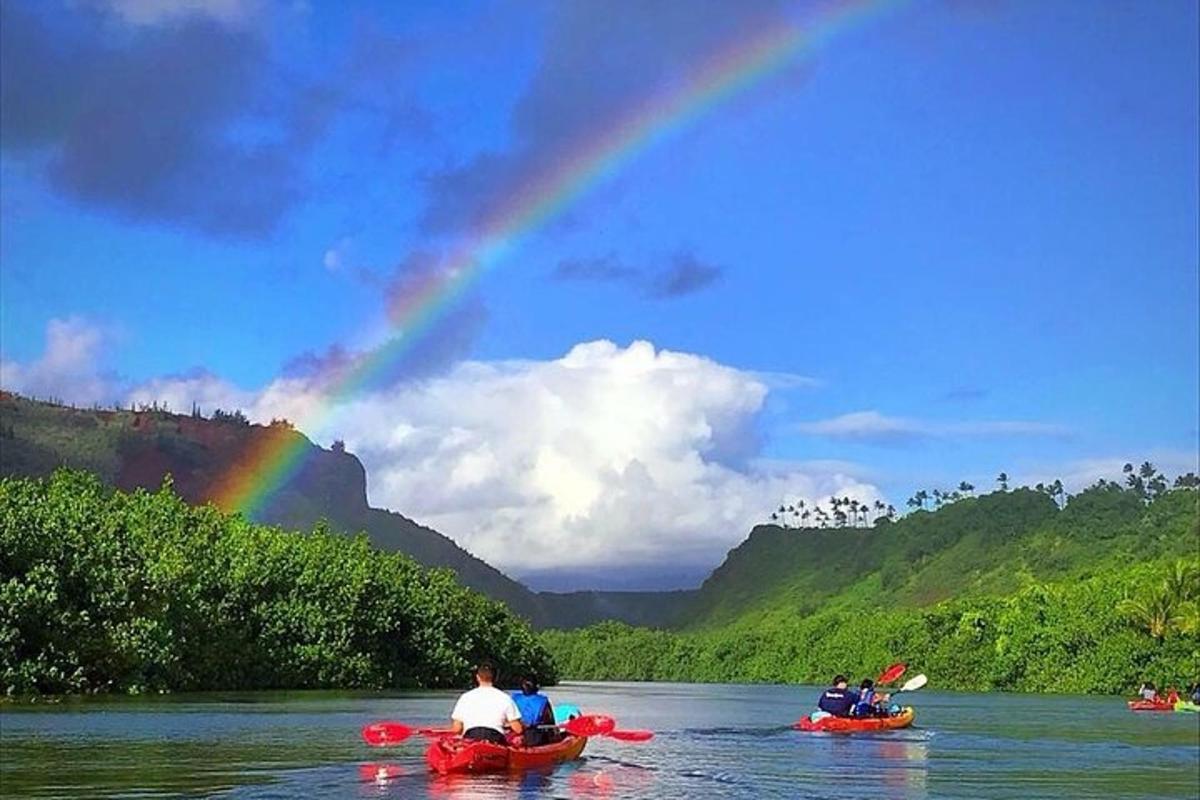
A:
531	706
866	699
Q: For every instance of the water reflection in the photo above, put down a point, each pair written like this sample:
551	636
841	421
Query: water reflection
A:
711	742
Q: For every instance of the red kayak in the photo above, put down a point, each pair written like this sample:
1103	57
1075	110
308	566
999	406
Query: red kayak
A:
1151	705
454	755
856	724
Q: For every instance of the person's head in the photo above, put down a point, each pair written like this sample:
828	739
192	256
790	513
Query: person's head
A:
839	681
529	685
867	684
485	673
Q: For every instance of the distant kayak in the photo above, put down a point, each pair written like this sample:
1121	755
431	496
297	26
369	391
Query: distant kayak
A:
1184	705
454	755
1151	705
856	724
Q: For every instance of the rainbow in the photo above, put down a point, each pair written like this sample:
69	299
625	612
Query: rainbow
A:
276	455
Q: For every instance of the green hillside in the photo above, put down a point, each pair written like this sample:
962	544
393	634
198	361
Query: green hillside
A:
102	590
132	449
1004	591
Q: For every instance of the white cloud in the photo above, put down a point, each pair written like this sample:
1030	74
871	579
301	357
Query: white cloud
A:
872	426
608	457
70	367
159	12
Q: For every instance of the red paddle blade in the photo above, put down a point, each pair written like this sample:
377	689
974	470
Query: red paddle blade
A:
590	725
632	736
385	734
891	673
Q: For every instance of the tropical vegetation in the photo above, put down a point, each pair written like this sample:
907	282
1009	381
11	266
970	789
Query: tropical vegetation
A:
1023	590
103	590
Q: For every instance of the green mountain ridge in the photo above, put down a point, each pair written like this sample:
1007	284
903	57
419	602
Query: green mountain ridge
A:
132	449
1002	591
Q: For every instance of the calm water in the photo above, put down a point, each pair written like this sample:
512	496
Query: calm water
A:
713	741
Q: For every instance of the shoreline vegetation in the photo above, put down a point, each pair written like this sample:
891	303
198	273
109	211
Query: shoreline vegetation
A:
108	591
1026	590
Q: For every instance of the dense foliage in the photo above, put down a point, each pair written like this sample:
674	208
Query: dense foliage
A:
1005	591
109	591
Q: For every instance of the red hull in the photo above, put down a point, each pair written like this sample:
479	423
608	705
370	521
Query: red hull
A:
451	755
856	724
1150	705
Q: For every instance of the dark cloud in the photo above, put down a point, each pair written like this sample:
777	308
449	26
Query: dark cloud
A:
191	123
686	275
597	67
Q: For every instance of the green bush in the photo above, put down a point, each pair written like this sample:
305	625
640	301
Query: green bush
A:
113	591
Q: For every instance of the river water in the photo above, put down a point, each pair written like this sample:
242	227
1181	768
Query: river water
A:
712	741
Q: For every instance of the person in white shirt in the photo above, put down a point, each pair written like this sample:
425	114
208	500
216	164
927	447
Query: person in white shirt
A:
484	712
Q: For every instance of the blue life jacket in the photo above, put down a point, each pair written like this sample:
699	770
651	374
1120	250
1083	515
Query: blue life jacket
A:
531	706
866	699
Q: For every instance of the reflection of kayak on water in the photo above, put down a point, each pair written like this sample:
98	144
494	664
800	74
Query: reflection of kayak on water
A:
856	724
451	754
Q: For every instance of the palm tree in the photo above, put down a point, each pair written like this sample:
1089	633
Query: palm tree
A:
1158	613
922	496
1002	479
854	511
966	488
804	517
774	517
891	512
937	498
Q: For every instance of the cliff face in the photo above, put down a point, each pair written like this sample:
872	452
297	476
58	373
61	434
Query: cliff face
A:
138	449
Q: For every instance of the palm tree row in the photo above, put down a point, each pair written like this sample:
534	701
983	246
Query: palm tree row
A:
843	512
1146	480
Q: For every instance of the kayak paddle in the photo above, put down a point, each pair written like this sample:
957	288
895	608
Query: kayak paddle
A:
891	673
631	735
913	684
386	734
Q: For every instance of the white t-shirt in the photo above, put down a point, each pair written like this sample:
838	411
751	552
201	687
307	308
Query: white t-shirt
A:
485	707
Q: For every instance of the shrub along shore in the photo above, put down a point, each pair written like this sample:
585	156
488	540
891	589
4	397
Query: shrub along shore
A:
103	590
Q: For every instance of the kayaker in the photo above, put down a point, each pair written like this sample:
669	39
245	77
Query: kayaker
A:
1148	692
1196	694
838	699
484	712
870	704
537	715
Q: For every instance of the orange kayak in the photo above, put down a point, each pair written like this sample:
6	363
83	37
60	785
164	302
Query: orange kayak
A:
856	724
1151	705
454	755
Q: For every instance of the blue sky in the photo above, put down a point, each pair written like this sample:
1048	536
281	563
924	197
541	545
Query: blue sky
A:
973	225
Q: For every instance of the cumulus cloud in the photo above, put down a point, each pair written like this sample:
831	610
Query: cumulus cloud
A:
684	274
876	428
607	461
70	367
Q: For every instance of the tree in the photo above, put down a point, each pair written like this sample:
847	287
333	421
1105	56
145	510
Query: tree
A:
1188	481
1002	479
965	487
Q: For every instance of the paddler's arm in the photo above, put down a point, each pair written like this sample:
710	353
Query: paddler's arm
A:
514	718
456	727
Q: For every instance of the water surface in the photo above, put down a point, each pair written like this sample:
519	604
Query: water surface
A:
713	741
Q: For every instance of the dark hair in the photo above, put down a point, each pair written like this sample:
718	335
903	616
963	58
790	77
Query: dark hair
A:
529	685
867	683
839	679
486	672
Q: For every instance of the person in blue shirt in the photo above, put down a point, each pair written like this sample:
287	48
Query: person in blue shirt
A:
839	699
537	715
871	703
